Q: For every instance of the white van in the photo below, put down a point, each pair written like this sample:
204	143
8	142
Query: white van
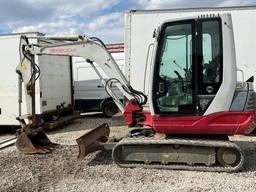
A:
89	93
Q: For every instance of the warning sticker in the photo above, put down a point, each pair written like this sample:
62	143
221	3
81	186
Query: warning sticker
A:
24	66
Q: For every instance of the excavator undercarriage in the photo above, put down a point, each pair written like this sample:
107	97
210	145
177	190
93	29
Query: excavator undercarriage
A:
142	148
179	153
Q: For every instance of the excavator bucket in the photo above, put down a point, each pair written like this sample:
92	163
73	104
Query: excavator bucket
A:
93	140
34	141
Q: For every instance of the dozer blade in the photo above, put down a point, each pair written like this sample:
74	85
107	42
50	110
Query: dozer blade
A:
93	140
33	142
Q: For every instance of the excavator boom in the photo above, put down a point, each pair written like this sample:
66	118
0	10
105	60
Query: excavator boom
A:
31	138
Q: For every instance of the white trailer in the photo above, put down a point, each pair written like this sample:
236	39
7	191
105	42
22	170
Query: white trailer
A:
138	40
89	92
55	74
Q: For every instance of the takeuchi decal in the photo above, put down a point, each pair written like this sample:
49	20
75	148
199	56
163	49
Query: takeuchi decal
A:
62	50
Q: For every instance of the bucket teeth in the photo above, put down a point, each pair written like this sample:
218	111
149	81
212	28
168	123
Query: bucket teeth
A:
93	140
34	141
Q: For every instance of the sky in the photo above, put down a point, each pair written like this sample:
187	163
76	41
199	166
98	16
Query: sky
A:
100	18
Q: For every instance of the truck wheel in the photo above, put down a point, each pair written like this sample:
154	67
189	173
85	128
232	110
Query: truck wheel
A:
109	108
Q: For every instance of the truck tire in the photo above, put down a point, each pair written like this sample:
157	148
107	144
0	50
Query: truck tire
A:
109	108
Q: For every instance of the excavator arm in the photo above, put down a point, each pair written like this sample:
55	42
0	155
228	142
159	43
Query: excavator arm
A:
94	52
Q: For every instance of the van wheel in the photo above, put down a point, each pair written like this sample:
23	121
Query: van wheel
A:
109	108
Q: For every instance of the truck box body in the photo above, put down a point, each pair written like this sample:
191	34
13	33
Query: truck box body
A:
53	88
140	25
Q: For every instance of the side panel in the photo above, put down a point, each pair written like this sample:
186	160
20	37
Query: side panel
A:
224	96
9	59
55	82
144	23
223	123
127	43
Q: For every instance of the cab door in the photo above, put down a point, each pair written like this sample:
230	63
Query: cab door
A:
188	67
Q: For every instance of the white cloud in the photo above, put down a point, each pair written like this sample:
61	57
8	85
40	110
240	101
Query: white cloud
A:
63	17
57	27
154	4
74	7
234	2
23	12
85	16
108	27
108	21
157	4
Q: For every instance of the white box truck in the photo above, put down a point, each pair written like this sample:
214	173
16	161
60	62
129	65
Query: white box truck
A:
54	88
138	40
89	93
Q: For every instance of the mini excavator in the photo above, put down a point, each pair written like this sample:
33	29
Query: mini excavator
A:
195	100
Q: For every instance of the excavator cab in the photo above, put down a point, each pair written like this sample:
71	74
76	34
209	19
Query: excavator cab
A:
188	66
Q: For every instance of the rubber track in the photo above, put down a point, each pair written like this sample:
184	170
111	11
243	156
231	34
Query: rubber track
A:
173	141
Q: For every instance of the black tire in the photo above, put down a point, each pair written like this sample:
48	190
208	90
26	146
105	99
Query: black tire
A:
109	108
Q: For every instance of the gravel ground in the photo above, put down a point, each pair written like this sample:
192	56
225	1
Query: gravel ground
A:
61	171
